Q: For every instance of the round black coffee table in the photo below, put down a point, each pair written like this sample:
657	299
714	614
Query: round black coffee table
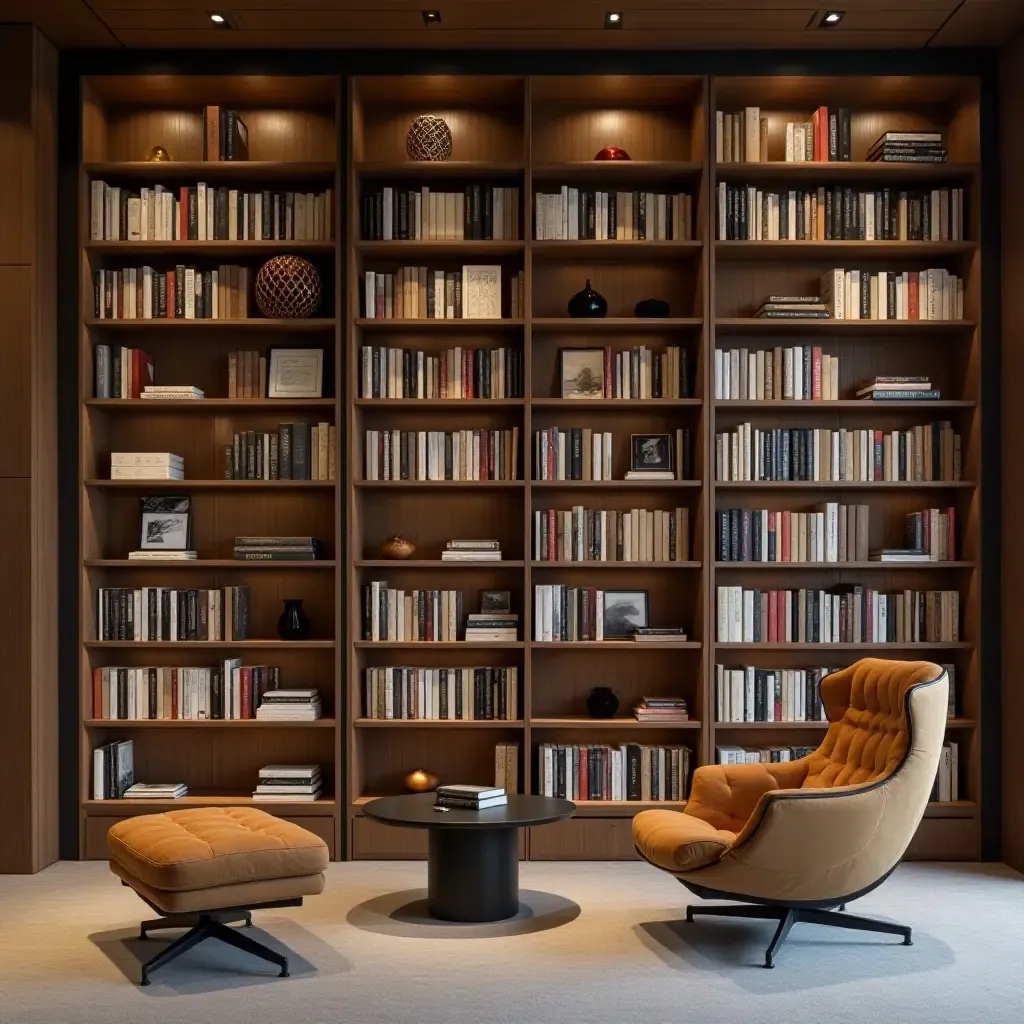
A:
473	858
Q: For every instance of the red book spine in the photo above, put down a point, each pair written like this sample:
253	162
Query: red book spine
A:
879	455
467	374
584	789
183	213
816	373
913	298
429	626
609	383
822	134
552	540
926	530
552	444
170	295
773	615
174	693
246	695
97	693
816	131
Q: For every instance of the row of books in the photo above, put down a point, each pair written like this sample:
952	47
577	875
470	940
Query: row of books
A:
799	373
184	293
751	694
573	213
201	213
419	293
452	373
442	454
430	694
146	466
946	787
479	211
400	615
225	134
838	213
228	690
276	549
583	534
295	451
166	613
506	766
731	753
121	372
742	136
247	374
575	453
632	771
629	373
928	452
933	294
846	613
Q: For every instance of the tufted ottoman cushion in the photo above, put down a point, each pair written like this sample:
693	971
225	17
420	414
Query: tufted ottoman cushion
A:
212	847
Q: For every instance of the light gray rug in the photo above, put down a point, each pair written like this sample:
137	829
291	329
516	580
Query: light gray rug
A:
599	943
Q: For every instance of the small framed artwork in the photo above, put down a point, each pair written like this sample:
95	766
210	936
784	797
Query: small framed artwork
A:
625	611
166	523
498	601
582	372
651	453
296	373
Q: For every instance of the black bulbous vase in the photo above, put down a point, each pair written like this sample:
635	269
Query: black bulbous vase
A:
602	702
588	303
293	624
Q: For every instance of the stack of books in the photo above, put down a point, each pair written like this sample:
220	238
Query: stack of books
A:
288	783
493	626
648	634
470	798
882	389
276	549
146	466
900	555
177	392
661	709
472	551
909	147
798	307
289	706
155	555
156	791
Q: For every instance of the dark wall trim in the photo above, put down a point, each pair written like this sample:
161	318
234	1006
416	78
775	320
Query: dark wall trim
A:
974	62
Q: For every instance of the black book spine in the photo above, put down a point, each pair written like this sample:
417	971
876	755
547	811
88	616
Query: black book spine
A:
633	770
122	692
300	451
845	134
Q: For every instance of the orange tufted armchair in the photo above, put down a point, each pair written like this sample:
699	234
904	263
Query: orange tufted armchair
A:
796	840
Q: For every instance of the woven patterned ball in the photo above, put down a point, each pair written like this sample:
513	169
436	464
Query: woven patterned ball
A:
287	288
429	138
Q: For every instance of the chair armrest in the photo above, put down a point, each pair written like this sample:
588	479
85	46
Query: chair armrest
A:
725	795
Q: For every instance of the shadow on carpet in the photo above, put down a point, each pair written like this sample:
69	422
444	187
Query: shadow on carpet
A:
812	957
406	914
214	966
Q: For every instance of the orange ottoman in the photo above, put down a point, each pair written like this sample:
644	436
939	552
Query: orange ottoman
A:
206	868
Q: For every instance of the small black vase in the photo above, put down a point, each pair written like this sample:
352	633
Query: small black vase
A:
588	303
602	702
293	624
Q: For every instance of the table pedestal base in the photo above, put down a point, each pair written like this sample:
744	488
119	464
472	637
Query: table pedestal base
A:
473	874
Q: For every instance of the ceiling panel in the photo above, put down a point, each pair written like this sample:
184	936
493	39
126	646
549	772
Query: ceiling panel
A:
68	23
982	23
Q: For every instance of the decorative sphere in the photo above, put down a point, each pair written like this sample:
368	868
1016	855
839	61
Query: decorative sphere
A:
429	138
602	702
288	288
421	781
588	303
612	153
158	153
398	547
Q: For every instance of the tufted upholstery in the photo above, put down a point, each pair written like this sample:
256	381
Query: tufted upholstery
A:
208	847
869	738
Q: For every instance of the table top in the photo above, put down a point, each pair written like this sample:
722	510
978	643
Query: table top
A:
416	810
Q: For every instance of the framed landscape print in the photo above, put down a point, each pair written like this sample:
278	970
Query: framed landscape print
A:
624	612
651	453
582	372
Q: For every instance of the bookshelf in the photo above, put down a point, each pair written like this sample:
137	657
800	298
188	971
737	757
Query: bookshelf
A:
293	137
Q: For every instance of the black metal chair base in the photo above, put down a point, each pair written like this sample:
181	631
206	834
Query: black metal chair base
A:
787	916
243	917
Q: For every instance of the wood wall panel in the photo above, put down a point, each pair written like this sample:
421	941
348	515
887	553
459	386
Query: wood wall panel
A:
28	465
1011	102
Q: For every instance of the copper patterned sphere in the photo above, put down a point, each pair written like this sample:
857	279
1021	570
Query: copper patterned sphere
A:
612	153
421	781
398	547
429	138
287	288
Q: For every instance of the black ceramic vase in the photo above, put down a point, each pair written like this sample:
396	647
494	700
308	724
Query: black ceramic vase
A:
293	624
602	702
588	303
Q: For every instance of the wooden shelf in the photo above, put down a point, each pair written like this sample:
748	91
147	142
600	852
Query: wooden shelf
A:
604	724
426	324
202	564
437	169
191	171
215	485
210	645
823	171
614	485
616	645
428	249
869	649
210	406
857	405
623	808
206	723
617	172
761	325
114	808
797	251
859	566
769	726
261	250
447	404
613	324
434	564
443	723
952	809
616	404
644	566
440	485
209	324
844	485
438	645
615	249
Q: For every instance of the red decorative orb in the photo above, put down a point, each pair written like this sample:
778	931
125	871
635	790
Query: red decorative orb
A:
612	153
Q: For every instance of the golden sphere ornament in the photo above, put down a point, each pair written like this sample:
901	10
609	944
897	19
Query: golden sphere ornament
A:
421	781
429	138
158	153
398	547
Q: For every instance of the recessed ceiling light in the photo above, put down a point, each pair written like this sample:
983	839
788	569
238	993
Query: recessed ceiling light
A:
613	19
218	19
432	17
831	18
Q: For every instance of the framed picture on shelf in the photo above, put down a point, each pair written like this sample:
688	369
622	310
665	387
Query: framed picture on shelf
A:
499	601
651	453
582	372
166	523
296	373
624	612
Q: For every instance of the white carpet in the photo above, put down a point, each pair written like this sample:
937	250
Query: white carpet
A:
604	943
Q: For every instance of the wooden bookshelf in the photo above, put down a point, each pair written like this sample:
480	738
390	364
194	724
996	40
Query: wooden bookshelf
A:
294	145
